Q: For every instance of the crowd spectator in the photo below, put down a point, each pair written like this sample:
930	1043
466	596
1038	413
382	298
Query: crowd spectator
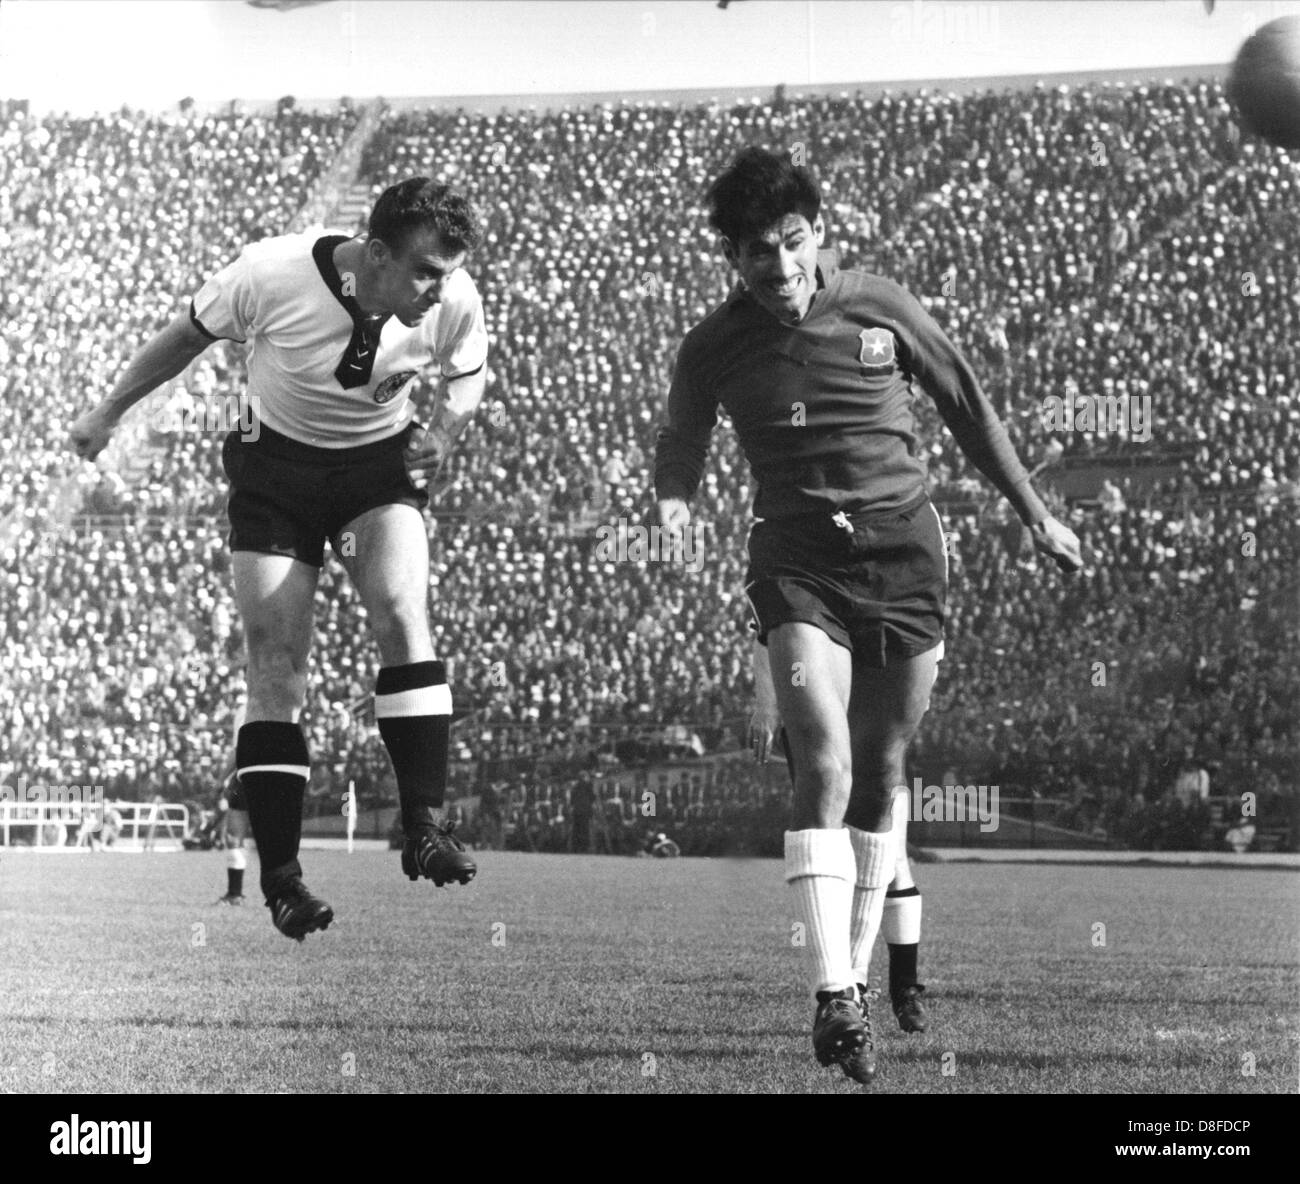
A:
1106	241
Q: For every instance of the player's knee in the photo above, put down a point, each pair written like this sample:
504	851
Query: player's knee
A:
879	767
869	807
401	628
825	776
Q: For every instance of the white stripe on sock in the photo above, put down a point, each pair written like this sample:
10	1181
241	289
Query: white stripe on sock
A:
902	921
435	700
303	771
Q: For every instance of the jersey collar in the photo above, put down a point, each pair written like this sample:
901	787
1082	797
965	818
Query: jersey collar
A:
357	364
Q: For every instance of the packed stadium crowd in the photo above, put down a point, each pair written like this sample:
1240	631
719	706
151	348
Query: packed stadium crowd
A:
1109	242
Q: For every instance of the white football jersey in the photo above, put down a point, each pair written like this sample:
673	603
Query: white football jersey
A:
284	296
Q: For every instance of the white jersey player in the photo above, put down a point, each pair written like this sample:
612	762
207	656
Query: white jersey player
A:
339	330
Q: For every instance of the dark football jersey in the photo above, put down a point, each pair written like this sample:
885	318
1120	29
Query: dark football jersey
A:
822	408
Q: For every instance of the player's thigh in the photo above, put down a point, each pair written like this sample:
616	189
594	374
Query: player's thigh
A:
887	703
812	676
389	561
274	594
884	710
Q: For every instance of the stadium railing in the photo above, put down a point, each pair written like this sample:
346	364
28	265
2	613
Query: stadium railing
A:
58	825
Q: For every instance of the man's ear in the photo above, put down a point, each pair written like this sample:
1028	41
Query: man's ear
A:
819	230
729	252
377	251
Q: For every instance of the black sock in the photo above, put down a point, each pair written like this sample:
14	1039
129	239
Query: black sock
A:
273	765
902	967
413	711
902	958
234	881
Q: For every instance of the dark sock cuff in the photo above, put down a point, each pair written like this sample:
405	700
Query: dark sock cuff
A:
912	891
271	742
394	679
273	880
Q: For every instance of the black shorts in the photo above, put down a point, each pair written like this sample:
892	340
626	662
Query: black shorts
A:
878	589
287	498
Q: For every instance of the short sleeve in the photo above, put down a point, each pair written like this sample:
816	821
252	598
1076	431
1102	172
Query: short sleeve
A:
462	341
226	306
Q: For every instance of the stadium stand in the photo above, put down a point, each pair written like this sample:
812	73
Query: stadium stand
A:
1116	241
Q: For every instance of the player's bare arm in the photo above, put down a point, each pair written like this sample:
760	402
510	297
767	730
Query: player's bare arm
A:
1056	540
163	357
456	401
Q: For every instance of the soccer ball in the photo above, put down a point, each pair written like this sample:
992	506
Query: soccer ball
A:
1264	84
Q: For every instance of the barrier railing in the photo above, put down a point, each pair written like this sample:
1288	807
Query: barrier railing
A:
57	825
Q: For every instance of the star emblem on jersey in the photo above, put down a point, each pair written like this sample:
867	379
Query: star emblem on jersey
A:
877	350
391	385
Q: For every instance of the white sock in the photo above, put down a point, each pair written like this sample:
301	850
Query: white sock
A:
819	867
236	860
901	925
874	859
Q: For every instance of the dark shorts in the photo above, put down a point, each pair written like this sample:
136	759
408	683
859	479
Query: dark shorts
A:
287	498
879	590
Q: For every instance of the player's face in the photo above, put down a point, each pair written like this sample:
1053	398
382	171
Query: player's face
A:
411	279
779	266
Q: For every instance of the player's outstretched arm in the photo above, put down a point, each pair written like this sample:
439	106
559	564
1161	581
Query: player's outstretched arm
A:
765	718
948	379
1053	538
454	406
162	357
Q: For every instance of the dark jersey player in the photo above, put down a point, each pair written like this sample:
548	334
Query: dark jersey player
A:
816	368
340	329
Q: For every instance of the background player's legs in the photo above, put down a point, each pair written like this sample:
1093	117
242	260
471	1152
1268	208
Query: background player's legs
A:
901	928
236	856
274	594
810	674
390	567
884	713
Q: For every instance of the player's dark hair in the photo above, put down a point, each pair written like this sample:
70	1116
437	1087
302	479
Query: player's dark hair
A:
760	188
419	203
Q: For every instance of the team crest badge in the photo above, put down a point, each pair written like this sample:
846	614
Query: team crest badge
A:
877	352
392	386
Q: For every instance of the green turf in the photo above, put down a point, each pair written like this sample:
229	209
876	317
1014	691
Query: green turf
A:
582	974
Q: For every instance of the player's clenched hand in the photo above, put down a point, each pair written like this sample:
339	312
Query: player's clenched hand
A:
425	452
1054	538
673	513
90	434
763	723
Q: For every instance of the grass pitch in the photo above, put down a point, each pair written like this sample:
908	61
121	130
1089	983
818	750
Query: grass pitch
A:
600	974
